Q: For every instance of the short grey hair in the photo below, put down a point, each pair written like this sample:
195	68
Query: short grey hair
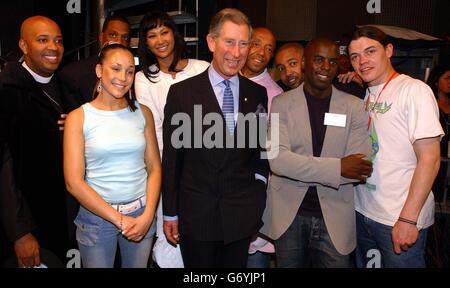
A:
228	14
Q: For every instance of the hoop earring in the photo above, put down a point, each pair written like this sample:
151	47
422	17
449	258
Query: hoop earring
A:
129	94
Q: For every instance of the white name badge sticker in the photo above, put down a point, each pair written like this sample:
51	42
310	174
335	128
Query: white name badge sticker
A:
332	119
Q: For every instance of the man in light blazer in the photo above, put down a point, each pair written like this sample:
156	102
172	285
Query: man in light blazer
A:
323	140
213	197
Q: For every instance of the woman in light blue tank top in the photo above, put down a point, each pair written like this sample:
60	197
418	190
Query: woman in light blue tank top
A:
112	167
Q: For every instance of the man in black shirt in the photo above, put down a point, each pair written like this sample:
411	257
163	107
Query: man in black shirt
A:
323	139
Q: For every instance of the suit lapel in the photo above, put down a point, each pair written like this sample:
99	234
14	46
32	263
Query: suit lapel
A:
243	98
204	94
332	133
303	126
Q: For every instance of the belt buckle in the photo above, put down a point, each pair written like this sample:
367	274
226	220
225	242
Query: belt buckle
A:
130	207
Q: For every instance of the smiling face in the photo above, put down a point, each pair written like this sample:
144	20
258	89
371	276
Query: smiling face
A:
42	45
261	51
161	42
371	60
288	62
230	48
320	65
116	73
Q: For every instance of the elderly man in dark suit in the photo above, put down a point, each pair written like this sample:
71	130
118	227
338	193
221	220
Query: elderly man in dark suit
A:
214	197
33	103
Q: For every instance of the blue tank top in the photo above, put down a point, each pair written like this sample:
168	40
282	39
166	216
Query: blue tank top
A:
114	146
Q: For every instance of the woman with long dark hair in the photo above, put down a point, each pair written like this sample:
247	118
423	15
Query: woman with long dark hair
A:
162	56
112	167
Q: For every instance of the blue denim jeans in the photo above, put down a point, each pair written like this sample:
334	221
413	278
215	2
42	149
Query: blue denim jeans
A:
98	238
375	240
306	244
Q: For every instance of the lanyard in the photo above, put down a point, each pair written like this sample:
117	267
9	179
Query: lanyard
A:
376	99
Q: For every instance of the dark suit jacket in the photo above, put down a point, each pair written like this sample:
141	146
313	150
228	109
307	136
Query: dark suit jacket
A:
82	75
37	201
213	191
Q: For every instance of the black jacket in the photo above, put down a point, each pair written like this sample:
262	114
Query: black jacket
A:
15	213
33	195
82	75
213	191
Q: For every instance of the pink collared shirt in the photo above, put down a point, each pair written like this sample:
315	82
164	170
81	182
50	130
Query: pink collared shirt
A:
272	87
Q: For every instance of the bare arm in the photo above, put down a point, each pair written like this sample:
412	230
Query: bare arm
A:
427	151
153	164
74	170
349	77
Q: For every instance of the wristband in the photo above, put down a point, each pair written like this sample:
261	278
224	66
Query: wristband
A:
407	221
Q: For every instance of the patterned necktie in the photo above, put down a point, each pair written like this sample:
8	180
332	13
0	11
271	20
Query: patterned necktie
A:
228	107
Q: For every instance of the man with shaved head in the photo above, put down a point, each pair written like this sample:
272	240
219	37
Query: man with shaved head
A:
323	139
33	104
262	47
288	62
